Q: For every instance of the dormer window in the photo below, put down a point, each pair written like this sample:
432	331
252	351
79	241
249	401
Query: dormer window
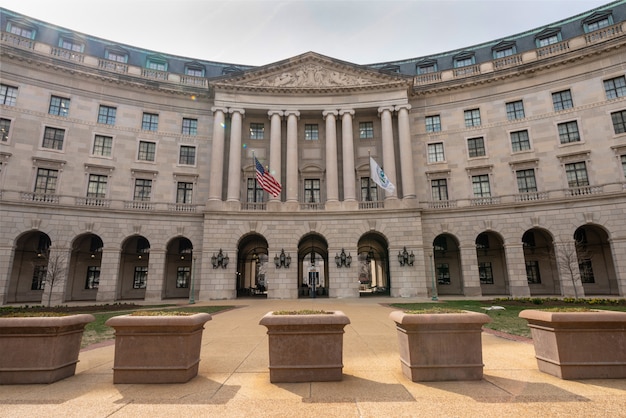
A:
548	37
391	68
504	49
21	29
194	70
231	70
465	59
116	54
71	44
426	67
597	21
156	63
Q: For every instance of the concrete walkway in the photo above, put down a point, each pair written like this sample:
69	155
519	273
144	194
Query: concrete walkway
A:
233	379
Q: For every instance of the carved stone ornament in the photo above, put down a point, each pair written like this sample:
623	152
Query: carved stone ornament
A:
312	75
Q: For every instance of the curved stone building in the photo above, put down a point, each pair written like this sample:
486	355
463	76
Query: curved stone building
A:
130	174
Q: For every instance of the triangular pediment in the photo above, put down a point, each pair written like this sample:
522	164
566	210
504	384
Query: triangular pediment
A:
311	72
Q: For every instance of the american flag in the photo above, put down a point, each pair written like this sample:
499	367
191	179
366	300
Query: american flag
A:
266	180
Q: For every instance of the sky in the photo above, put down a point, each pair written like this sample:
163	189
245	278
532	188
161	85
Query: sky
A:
259	32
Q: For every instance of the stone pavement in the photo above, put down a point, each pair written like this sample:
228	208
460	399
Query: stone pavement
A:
233	380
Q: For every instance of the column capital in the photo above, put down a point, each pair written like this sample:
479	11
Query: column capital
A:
292	112
346	112
383	109
329	112
236	110
406	107
271	113
219	109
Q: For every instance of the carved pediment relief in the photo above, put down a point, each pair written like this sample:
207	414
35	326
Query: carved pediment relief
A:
313	75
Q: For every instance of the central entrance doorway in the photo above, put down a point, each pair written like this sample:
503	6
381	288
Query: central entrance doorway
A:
252	258
313	267
373	265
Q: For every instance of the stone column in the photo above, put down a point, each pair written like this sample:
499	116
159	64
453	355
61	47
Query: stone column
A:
234	162
292	156
332	179
58	266
516	270
7	258
389	158
156	277
349	175
469	270
275	151
217	155
109	275
406	152
618	247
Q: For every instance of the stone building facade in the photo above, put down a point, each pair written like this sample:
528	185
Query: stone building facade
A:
129	174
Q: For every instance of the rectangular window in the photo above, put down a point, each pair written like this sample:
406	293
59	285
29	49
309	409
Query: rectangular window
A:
520	141
39	278
46	182
463	62
576	174
433	123
443	273
619	121
623	158
562	100
476	147
526	181
586	271
147	151
184	192
53	138
427	69
190	126
568	132
117	57
598	24
615	87
156	65
502	53
71	45
141	277
183	277
532	272
311	132
369	191
106	115
515	110
102	145
21	31
194	72
8	95
187	155
439	189
485	272
548	40
435	152
366	130
255	192
93	277
97	186
59	106
257	131
480	186
312	191
5	129
472	118
150	122
143	189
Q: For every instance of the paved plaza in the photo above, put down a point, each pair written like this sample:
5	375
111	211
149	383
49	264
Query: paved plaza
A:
233	379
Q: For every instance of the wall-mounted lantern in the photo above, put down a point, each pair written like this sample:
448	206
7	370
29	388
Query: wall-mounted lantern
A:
406	259
282	260
343	260
220	260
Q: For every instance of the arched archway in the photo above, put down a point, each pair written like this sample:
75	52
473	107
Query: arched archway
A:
312	276
252	259
84	267
133	274
178	268
30	264
541	268
595	262
492	264
447	259
373	265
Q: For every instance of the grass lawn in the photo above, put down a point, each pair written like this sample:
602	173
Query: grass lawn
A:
507	320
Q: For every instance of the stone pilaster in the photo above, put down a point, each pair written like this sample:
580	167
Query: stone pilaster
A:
234	161
154	284
406	152
275	148
469	268
217	155
109	275
389	158
332	176
292	156
516	270
349	174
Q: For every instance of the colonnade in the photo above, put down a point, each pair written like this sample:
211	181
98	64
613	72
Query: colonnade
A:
290	181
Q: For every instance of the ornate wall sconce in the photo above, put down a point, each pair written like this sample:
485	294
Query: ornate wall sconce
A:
342	259
282	260
220	260
406	259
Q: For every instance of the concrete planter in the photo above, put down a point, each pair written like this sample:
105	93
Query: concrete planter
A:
157	349
305	348
579	345
440	346
40	349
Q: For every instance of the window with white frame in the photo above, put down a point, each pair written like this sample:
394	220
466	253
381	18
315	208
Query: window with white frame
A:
597	22
184	192
187	155
71	44
21	30
433	123
194	71
59	106
435	152
615	87
116	56
190	126
439	189
619	121
480	185
312	191
143	190
515	110
106	115
427	68
140	277
520	141
46	181
366	130
5	129
504	52
102	146
576	174
53	138
568	132
257	131
526	182
8	95
183	277
254	191
150	122
311	132
476	147
156	64
97	186
147	151
369	191
562	100
472	118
